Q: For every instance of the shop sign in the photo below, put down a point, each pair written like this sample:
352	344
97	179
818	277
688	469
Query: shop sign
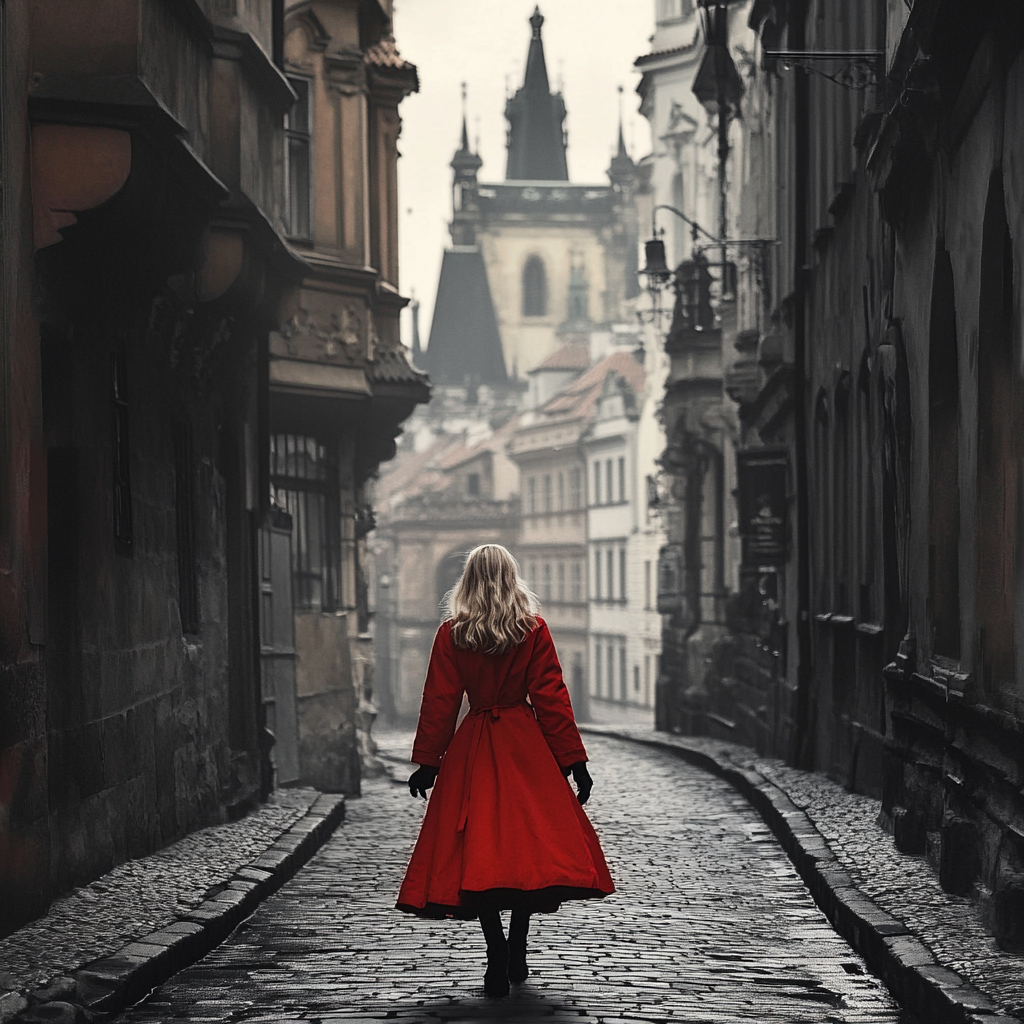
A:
763	505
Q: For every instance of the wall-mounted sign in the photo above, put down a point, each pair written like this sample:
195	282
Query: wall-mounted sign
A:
763	506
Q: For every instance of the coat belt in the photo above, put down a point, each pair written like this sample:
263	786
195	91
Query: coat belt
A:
480	716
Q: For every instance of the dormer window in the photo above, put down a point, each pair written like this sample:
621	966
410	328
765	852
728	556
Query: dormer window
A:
297	125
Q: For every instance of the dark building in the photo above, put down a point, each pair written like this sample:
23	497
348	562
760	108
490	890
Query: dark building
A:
883	396
149	250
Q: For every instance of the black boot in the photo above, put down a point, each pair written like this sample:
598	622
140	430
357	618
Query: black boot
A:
518	928
496	975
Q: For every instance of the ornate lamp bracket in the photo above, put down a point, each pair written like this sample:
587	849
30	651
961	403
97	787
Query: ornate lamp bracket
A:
852	69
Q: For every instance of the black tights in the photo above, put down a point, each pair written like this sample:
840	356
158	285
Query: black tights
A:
518	927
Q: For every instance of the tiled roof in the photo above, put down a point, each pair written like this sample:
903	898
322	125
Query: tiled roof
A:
413	472
672	51
578	399
575	355
459	454
391	365
385	55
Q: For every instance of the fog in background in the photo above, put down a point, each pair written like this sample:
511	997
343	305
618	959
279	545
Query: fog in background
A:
590	47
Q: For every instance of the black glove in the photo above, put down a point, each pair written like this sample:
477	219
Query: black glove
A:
421	780
580	775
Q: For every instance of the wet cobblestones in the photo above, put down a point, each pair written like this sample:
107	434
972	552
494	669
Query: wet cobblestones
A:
710	923
903	885
141	896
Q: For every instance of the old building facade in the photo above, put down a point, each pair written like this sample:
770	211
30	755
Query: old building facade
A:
707	336
624	535
879	425
148	256
340	383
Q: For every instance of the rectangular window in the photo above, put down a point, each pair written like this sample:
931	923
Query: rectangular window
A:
636	682
577	581
622	479
304	479
574	488
561	492
622	673
184	508
531	494
547	492
610	653
473	484
560	592
597	483
610	561
647	679
597	669
299	164
647	585
597	573
123	533
622	574
609	494
546	585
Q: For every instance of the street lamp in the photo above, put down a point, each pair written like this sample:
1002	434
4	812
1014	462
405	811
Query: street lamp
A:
718	87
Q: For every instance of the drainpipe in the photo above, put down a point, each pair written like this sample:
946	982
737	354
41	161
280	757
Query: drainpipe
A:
802	752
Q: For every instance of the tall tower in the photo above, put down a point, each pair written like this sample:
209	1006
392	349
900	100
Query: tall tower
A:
536	138
465	346
465	208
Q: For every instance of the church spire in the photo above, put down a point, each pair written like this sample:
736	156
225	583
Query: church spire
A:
465	164
536	139
622	170
417	347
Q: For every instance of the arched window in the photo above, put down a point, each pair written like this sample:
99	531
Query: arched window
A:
535	288
999	429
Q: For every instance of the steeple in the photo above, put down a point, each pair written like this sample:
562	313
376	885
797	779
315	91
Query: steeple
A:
622	170
465	164
417	348
536	139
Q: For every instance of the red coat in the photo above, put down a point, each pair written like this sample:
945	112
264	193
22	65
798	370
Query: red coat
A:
502	827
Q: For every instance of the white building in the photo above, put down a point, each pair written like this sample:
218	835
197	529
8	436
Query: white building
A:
624	536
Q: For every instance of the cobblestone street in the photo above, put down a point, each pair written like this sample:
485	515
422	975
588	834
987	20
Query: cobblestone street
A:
710	923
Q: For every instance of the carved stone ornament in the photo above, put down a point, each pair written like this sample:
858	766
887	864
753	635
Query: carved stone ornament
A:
335	337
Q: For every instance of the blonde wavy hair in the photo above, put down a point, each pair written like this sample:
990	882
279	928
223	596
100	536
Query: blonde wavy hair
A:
490	608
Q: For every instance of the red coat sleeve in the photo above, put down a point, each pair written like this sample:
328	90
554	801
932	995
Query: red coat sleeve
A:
550	699
442	698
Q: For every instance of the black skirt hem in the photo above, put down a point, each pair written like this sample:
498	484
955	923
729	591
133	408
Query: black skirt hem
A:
532	901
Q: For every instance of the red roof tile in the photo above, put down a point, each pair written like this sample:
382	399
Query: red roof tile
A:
575	355
578	399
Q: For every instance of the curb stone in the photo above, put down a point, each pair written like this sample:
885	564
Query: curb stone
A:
919	983
107	986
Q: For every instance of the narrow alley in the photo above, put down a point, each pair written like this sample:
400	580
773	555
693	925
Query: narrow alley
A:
710	923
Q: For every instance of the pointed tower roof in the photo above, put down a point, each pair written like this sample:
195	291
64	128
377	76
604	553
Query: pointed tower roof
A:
622	167
465	163
465	345
536	140
417	348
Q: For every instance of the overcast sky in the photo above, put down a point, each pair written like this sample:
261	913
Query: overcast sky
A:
589	44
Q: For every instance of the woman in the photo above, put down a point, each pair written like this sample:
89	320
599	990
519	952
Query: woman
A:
503	829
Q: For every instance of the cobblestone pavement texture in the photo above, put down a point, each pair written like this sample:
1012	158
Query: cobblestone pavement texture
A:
710	923
904	885
141	896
